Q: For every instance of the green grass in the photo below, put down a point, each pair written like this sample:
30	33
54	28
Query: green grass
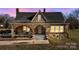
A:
74	35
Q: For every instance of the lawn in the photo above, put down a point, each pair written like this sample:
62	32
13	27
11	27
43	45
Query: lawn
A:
74	35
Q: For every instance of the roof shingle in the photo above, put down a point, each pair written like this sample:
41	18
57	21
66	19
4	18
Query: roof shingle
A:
54	17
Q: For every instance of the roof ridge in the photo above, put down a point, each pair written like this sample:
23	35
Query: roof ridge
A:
41	12
27	12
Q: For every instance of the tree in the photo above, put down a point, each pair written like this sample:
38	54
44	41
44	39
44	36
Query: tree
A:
6	20
75	13
74	22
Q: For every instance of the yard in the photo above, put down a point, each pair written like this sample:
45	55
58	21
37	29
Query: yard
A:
74	36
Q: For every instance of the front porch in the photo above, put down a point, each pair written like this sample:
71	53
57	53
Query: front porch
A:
24	32
36	32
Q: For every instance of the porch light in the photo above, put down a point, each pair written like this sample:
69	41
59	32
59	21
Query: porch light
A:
1	25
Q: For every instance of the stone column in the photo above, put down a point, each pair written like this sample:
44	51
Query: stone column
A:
33	38
67	30
12	31
47	32
66	27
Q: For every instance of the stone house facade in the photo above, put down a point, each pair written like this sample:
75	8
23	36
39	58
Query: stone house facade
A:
38	24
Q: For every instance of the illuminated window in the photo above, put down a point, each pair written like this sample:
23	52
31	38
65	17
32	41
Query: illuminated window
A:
52	29
61	29
27	29
56	29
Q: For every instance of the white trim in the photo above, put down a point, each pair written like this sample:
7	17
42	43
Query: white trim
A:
34	17
37	14
44	16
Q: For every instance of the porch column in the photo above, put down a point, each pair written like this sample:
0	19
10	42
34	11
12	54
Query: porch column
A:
33	34
47	32
12	31
33	38
67	30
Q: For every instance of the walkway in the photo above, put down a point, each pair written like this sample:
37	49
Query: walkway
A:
17	42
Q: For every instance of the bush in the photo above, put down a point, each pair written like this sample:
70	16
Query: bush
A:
57	41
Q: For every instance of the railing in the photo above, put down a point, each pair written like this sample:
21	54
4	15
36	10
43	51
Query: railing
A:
16	37
23	36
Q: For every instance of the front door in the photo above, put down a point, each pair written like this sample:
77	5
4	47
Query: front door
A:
40	32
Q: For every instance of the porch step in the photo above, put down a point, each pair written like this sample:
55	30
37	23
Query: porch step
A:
39	37
41	42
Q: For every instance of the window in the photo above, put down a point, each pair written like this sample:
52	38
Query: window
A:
25	28
39	17
56	29
61	29
52	29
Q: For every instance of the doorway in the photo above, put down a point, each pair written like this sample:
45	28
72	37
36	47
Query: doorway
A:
40	32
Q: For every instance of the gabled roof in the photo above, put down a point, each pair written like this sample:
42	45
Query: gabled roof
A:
39	13
54	17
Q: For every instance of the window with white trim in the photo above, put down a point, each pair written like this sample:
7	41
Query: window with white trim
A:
56	29
52	29
61	29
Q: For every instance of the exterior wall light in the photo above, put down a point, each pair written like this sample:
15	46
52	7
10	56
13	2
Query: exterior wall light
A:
1	25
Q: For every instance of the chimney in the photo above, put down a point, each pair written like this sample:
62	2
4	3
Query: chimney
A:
17	10
44	10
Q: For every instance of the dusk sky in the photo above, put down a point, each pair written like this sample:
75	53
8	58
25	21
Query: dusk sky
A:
12	11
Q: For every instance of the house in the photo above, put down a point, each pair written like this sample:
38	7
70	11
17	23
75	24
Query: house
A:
38	24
